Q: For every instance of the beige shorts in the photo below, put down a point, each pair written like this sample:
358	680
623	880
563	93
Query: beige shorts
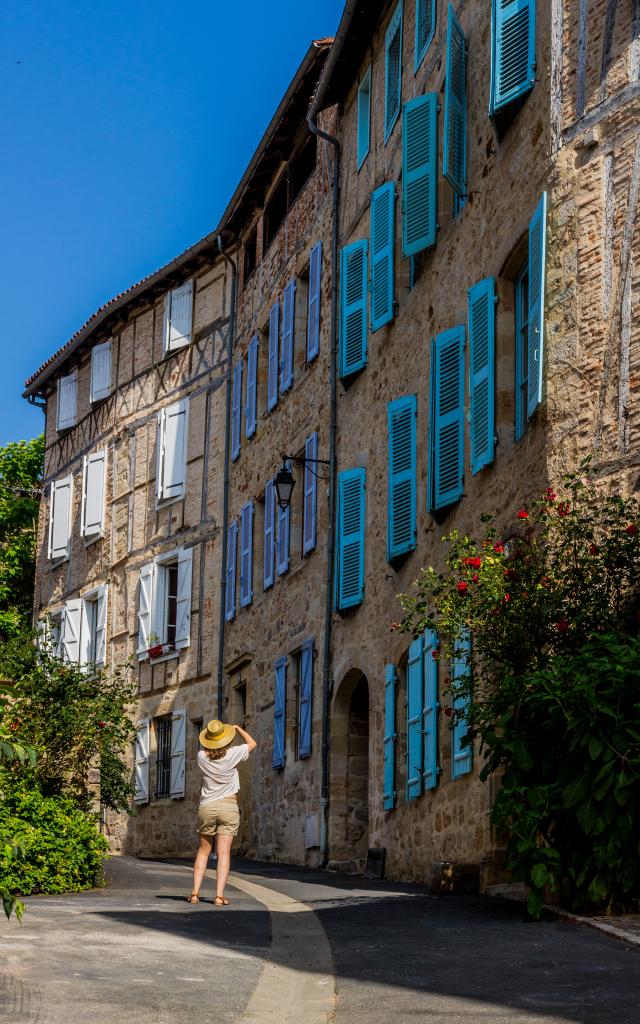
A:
220	817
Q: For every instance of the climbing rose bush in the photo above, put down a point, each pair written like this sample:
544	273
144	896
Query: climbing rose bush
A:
552	605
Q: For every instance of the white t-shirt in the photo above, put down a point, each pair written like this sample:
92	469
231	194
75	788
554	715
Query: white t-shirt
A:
220	778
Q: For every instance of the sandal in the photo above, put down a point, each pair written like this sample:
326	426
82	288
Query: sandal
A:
193	898
220	901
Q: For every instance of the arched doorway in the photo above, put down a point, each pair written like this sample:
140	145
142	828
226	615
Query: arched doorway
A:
349	796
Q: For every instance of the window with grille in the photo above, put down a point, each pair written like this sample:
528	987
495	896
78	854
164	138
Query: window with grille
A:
163	760
522	350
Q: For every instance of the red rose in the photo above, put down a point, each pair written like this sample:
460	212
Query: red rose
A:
550	494
462	587
562	626
394	626
448	712
499	549
564	510
507	597
102	725
593	550
510	574
475	577
522	513
631	529
435	654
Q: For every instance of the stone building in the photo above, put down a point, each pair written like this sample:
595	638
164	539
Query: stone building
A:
437	259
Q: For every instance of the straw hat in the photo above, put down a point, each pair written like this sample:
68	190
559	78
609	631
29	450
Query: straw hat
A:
217	734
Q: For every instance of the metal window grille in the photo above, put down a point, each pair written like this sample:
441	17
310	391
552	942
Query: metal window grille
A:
163	762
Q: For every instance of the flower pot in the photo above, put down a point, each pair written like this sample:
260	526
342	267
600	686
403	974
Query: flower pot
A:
156	651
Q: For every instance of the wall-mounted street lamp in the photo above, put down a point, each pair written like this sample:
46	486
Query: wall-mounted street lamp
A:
285	481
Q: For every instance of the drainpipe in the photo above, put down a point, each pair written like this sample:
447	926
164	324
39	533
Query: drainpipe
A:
333	425
227	465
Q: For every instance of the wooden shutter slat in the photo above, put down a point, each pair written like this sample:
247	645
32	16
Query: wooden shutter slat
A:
419	173
178	327
279	709
269	534
353	308
425	28
447	434
141	758
350	549
67	401
414	720
537	275
100	371
172	450
101	627
183	609
388	790
272	370
310	495
230	588
70	631
513	38
246	554
92	509
481	306
382	255
306	699
454	167
401	517
313	313
146	594
430	711
288	335
60	509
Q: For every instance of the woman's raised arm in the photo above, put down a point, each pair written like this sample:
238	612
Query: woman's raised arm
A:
251	743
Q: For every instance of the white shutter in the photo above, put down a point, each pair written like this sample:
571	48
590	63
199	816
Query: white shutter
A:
145	607
166	320
141	795
101	371
93	477
183	611
60	517
179	325
87	630
172	450
101	628
44	639
70	631
67	400
178	736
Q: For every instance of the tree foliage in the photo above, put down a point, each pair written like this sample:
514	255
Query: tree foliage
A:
21	467
553	689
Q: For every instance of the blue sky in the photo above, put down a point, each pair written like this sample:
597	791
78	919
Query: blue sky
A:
126	126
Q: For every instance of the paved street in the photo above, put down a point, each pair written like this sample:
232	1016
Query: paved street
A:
302	946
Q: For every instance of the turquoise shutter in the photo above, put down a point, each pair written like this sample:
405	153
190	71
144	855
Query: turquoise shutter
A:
537	252
430	711
393	71
419	173
382	252
350	549
279	709
236	408
353	307
246	554
269	534
306	699
288	332
425	28
447	434
482	343
454	166
272	371
389	791
364	117
313	312
462	753
414	720
513	41
230	588
251	408
310	494
401	517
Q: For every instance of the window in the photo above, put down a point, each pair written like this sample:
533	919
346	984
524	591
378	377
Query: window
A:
163	757
446	445
425	28
164	604
522	349
67	401
92	508
350	539
279	714
383	240
393	71
454	164
178	309
422	715
402	481
419	173
172	452
170	755
288	336
250	254
513	58
462	751
313	311
389	769
274	356
481	326
236	410
364	116
310	494
101	371
302	167
93	628
275	212
304	699
60	499
269	535
251	405
353	308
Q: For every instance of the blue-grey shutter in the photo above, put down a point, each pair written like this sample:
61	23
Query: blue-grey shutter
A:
537	252
236	407
382	252
401	515
389	789
425	28
414	720
454	166
279	709
482	343
274	348
430	711
393	71
350	548
288	333
313	312
246	554
513	41
251	409
230	588
353	307
306	699
447	434
269	534
283	539
310	496
419	173
462	753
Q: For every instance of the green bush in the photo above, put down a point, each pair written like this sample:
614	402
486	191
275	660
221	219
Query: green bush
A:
61	850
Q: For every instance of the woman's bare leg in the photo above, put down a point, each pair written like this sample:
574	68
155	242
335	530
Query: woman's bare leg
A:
201	861
223	850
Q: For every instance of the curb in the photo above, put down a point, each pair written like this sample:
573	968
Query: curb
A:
596	924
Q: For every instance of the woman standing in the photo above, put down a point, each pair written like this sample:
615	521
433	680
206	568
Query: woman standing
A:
218	814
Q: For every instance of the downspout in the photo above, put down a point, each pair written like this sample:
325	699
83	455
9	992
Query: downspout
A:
227	465
333	425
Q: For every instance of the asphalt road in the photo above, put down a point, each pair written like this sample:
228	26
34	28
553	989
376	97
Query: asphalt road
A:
304	947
